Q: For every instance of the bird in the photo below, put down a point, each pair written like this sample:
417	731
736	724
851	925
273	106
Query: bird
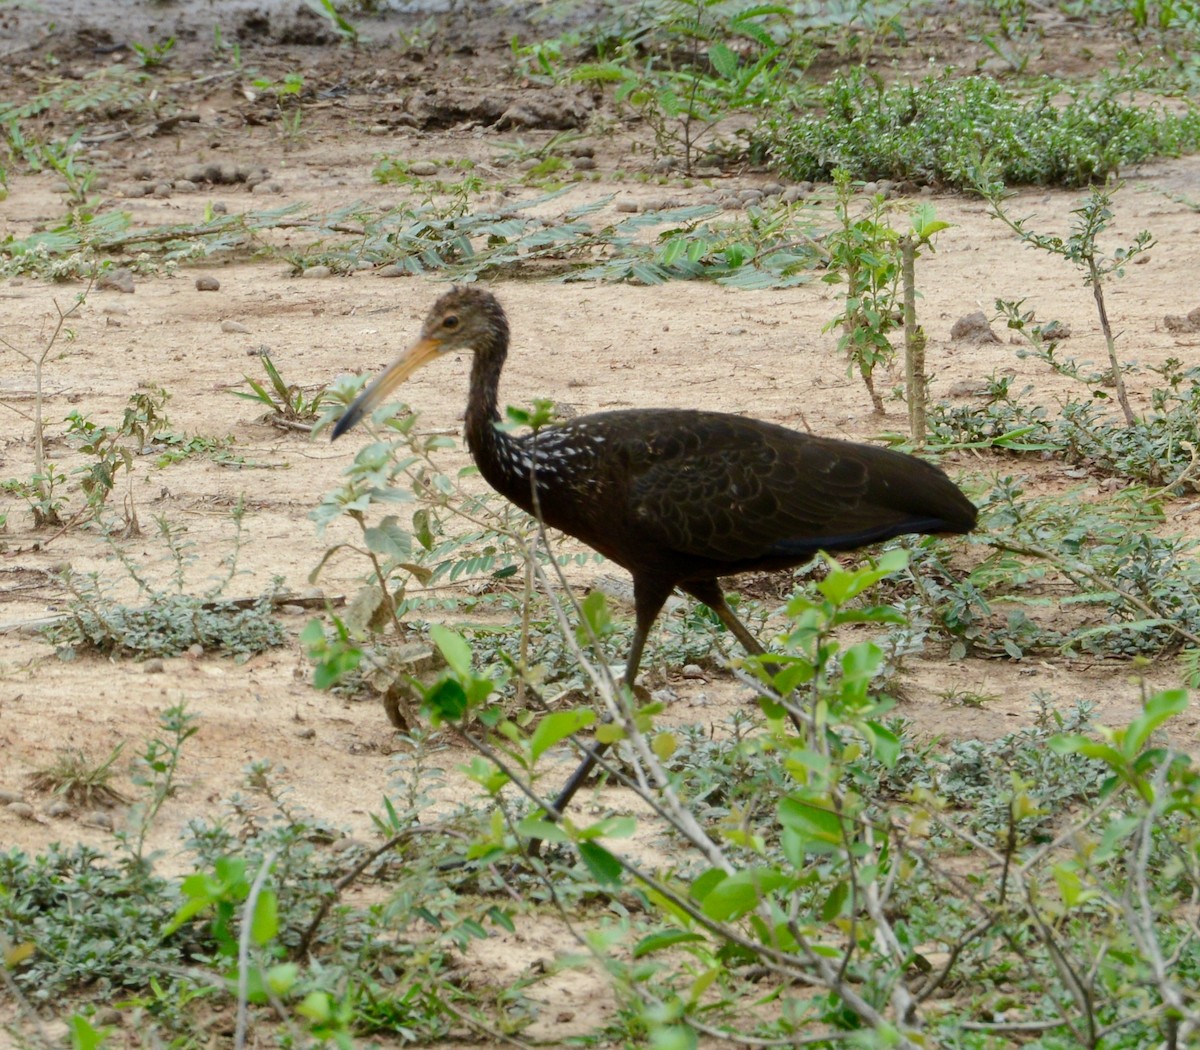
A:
677	497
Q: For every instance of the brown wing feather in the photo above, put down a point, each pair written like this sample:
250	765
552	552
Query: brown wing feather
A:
720	487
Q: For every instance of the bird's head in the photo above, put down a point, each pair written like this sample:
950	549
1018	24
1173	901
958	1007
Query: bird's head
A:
466	318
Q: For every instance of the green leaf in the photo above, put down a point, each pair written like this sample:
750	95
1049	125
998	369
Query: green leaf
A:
1070	886
1159	708
597	622
835	903
264	924
657	942
281	979
610	827
605	868
557	727
812	819
545	830
609	733
85	1036
885	744
723	60
453	647
447	698
740	893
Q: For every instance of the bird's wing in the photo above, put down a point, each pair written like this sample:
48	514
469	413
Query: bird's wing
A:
731	489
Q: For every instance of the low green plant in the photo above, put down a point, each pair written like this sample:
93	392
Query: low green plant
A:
173	620
945	130
700	79
865	254
337	21
40	490
151	56
77	177
284	401
156	773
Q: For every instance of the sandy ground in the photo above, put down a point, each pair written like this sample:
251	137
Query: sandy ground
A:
591	346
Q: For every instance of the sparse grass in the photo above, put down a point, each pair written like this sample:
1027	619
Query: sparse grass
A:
80	780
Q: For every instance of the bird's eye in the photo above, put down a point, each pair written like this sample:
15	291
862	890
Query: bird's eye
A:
450	323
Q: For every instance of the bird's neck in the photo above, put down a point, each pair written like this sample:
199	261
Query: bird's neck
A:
500	456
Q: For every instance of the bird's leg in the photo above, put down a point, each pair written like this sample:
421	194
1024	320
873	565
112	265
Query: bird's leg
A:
709	592
593	753
649	598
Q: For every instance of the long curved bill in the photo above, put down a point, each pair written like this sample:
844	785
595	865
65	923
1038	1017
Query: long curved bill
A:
420	353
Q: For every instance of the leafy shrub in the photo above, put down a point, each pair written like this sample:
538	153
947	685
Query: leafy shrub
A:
943	129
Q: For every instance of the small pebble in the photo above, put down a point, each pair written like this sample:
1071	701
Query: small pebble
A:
234	328
107	1016
423	168
154	665
584	164
693	671
162	190
973	328
194	651
220	208
185	186
20	809
97	818
264	188
58	809
317	272
137	189
392	270
528	164
307	733
582	149
118	280
626	204
7	796
207	283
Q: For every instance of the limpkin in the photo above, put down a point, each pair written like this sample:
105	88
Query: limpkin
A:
678	497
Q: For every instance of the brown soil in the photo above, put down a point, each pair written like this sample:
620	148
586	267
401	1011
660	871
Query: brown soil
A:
591	346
